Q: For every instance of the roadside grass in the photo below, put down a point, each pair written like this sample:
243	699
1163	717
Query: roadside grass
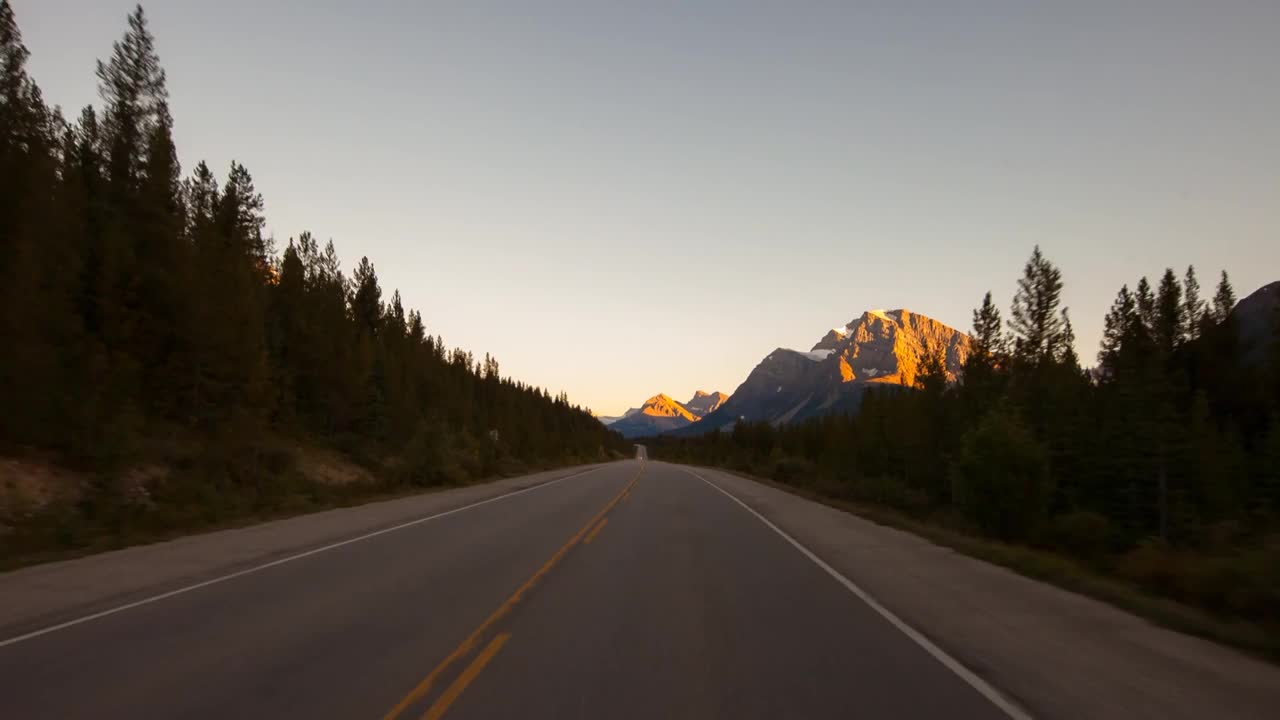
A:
1067	573
46	539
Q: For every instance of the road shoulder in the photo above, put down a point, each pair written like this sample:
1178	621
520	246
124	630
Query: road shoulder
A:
1058	654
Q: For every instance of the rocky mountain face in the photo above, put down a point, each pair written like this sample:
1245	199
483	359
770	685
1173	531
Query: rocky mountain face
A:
661	414
880	347
703	404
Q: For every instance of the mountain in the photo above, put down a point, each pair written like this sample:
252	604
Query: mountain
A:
1256	316
661	414
880	347
702	403
658	414
611	419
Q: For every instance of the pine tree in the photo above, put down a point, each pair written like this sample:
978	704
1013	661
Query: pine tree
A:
164	299
988	343
1224	300
417	331
132	86
288	334
980	384
1169	324
13	61
1035	321
84	200
396	320
24	120
33	301
1146	306
1067	350
17	121
18	118
202	198
1160	411
230	349
241	220
131	271
1192	306
1117	326
366	297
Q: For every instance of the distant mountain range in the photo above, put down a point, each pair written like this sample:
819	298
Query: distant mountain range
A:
661	414
880	347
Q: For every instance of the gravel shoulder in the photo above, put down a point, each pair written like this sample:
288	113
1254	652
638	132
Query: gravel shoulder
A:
1058	654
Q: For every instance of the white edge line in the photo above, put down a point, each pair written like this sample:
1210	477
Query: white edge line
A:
314	551
984	688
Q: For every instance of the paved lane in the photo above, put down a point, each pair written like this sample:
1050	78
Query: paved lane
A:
635	590
687	606
340	634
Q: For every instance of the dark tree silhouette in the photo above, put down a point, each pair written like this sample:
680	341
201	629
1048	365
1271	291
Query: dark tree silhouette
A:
146	319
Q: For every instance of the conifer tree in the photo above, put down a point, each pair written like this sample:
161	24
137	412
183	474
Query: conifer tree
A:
986	358
1118	325
241	220
1035	320
1067	350
1169	323
132	85
29	296
1192	305
18	120
164	329
988	343
396	320
1224	300
366	297
1146	300
417	331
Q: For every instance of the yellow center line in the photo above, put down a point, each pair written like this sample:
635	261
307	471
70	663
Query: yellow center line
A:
451	693
595	531
424	687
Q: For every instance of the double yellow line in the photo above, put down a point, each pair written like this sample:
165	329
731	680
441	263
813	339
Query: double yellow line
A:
438	708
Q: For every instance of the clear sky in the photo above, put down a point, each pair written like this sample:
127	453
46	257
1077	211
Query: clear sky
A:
623	198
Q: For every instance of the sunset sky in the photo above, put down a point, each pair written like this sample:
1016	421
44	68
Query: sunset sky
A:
624	198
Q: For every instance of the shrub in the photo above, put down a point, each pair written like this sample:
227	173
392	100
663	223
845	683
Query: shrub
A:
1242	584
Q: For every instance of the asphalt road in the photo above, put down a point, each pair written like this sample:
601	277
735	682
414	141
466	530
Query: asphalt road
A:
636	590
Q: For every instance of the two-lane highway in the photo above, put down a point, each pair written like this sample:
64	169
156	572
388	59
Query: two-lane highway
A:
636	590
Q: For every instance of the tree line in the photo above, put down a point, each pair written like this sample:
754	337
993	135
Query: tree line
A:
1161	465
144	312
